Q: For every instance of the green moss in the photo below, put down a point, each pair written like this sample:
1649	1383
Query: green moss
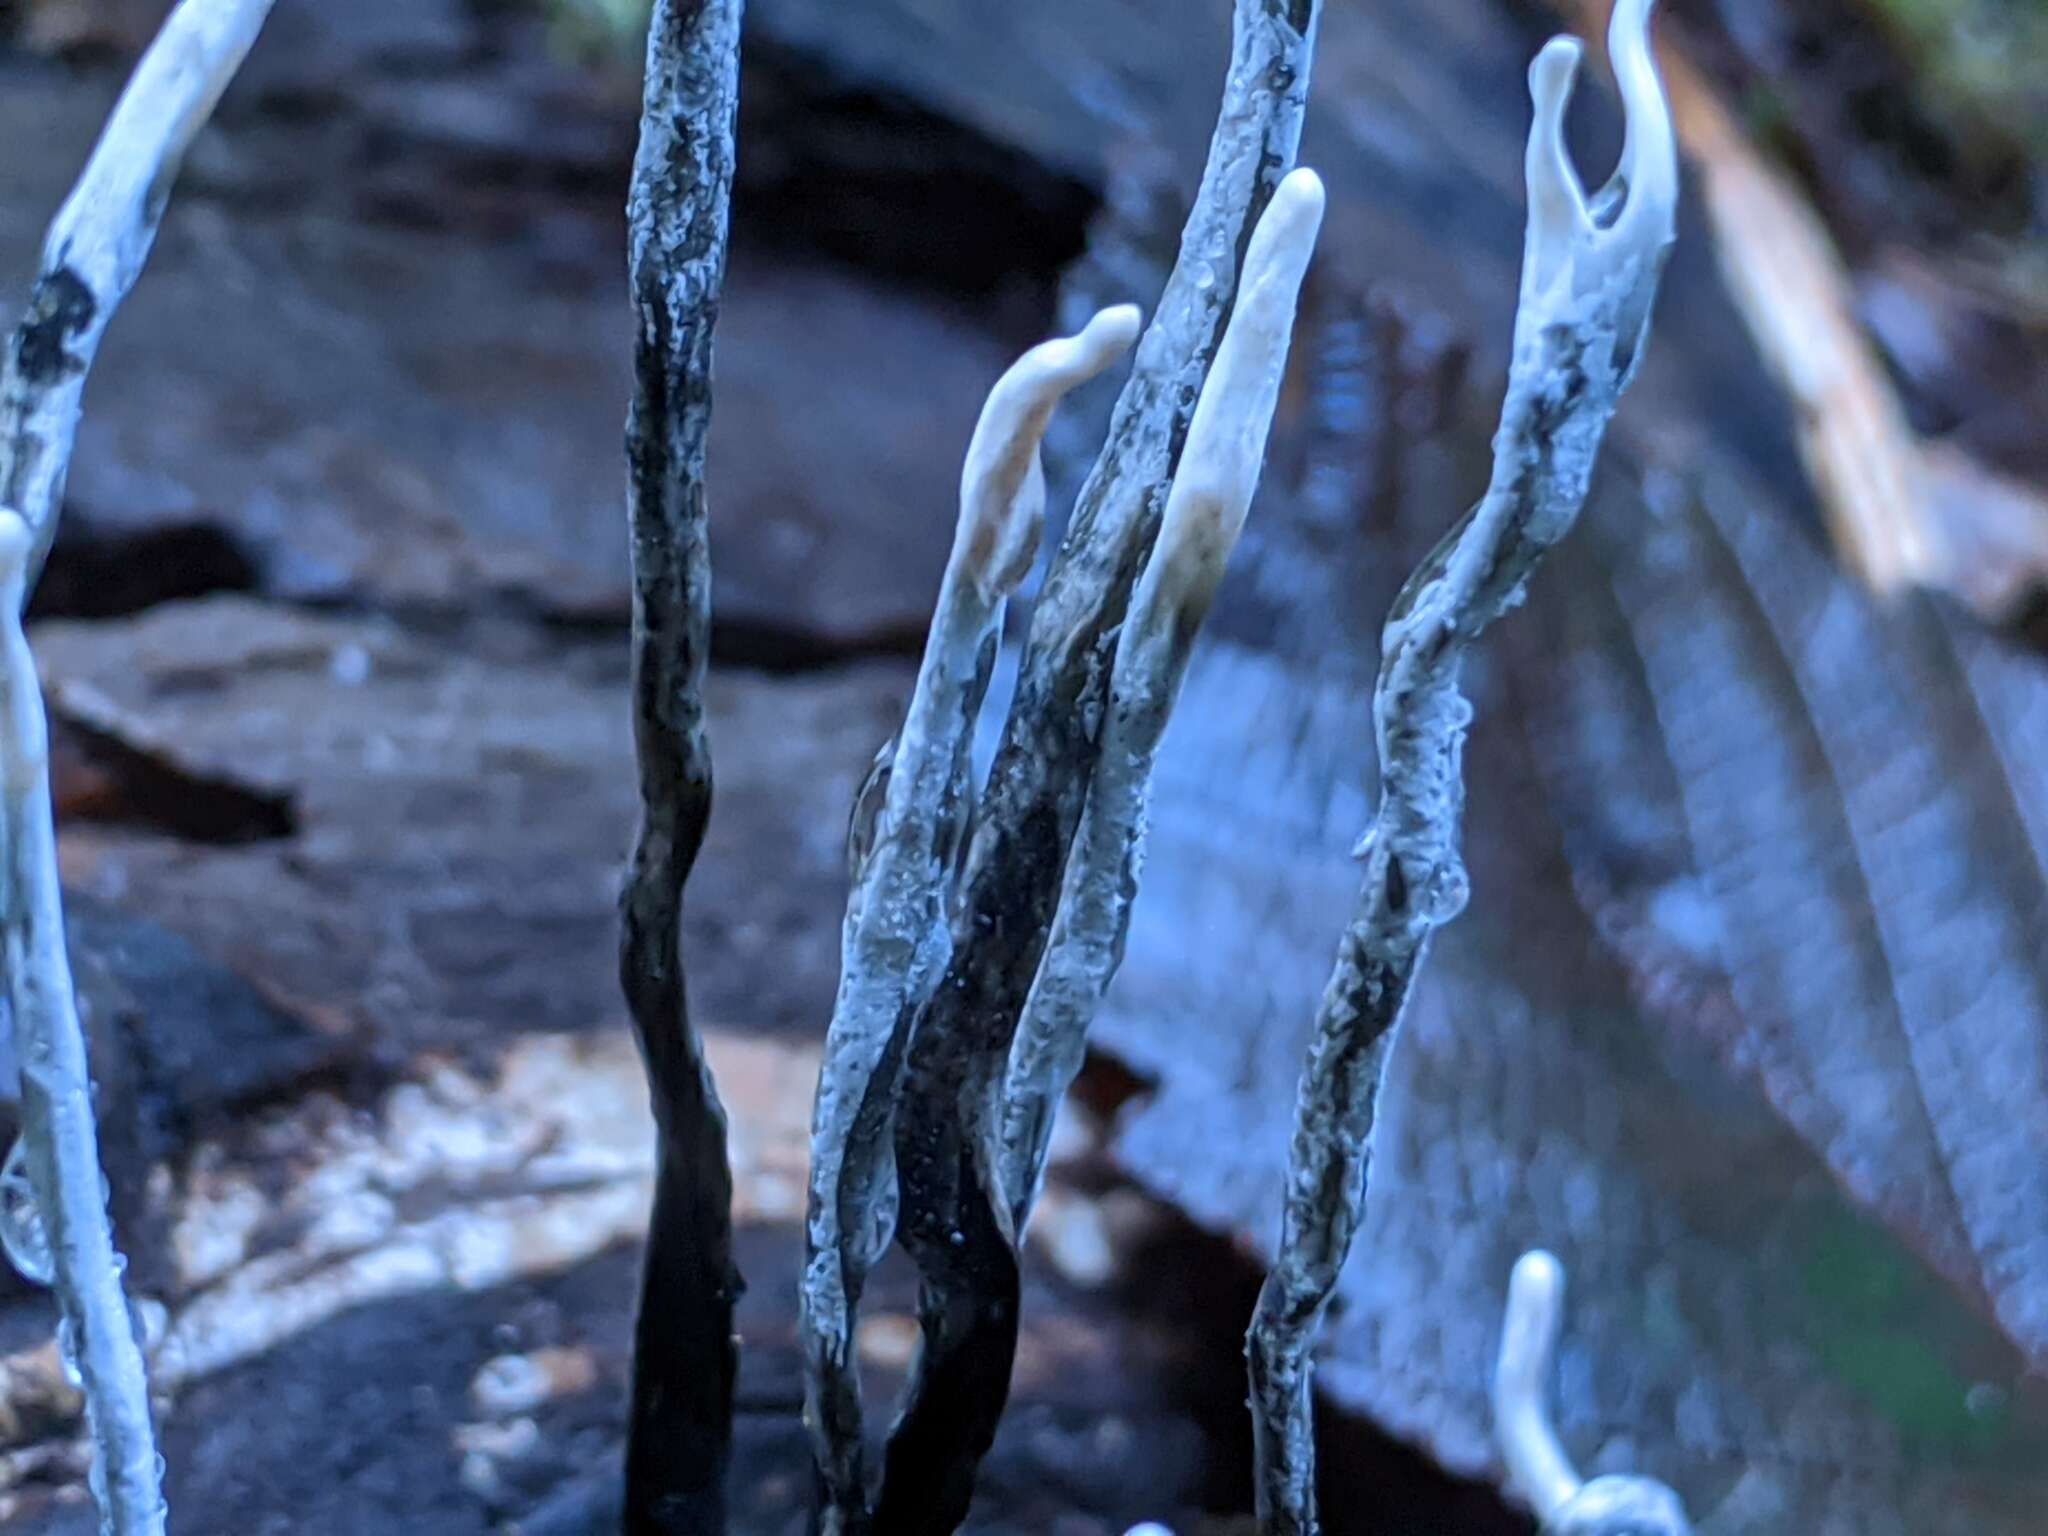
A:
1886	1330
1767	115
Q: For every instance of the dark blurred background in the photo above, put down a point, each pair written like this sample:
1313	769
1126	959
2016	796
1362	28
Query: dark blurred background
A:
1747	1020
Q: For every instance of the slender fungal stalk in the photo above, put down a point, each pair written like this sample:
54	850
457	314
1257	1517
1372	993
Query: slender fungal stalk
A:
897	937
92	254
1017	849
1589	275
96	247
1538	1468
1205	512
59	1140
679	1434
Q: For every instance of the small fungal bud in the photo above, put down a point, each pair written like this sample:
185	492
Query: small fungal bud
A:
1537	1466
1609	248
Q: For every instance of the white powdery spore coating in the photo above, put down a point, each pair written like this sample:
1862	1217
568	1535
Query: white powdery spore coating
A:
60	1140
1226	442
94	250
1536	1463
1205	512
897	938
1002	481
1589	277
897	935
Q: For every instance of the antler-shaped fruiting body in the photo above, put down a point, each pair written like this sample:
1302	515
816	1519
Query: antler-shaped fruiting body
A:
1589	275
685	1358
1205	512
1026	822
897	934
59	1139
1538	1468
97	244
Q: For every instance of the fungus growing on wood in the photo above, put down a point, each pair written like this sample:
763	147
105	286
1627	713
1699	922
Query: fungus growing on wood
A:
1590	268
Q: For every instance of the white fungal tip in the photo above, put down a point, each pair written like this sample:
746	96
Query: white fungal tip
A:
1536	1463
1226	441
1002	487
1628	34
1299	196
1281	244
1275	261
1041	376
1615	242
1558	219
1282	241
1536	1287
1552	74
1109	334
1648	171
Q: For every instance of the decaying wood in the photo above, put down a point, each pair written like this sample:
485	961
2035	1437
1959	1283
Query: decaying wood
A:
679	1434
454	1182
1589	276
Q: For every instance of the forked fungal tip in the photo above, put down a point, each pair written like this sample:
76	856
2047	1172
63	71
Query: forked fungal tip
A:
1649	153
1552	73
1628	28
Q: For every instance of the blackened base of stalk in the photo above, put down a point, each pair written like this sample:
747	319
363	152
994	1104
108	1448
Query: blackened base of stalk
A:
967	1298
685	1356
1039	784
685	1353
968	1308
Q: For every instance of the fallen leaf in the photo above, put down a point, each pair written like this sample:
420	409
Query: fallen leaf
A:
1904	511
